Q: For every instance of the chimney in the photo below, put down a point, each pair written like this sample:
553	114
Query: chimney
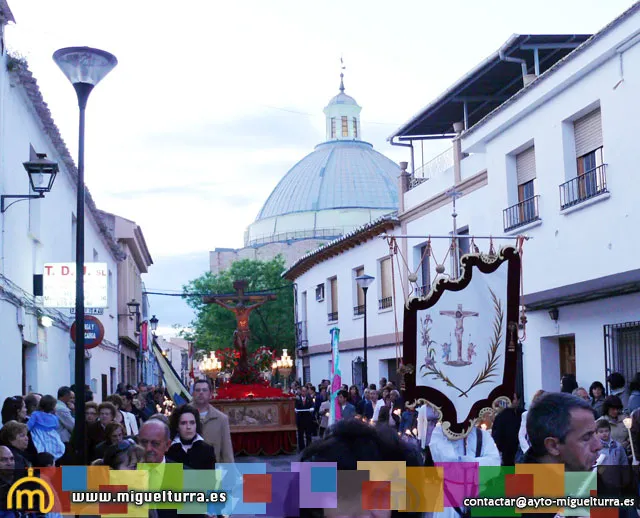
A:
403	185
457	152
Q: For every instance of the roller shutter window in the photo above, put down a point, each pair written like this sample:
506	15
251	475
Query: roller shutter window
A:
588	133
385	273
526	166
334	295
359	290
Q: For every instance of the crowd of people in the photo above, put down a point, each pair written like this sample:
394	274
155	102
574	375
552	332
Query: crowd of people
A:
129	427
575	427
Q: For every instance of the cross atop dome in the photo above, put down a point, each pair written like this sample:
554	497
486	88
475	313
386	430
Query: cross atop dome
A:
343	115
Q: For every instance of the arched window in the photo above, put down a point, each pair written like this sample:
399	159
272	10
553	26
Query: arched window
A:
345	126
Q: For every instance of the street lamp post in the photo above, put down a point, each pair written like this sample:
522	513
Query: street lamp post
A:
364	281
84	67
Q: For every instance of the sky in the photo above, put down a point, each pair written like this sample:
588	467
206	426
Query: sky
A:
212	102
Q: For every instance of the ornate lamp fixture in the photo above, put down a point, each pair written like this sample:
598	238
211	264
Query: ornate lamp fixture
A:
211	367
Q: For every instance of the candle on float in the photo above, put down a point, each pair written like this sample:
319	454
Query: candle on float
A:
483	426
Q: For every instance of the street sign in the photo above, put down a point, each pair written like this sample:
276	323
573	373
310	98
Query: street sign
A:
93	332
59	285
88	311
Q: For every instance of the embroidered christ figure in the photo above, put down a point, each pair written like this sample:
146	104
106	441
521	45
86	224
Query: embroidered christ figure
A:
459	315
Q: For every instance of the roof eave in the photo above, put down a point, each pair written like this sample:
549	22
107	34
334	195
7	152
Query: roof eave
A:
6	16
333	248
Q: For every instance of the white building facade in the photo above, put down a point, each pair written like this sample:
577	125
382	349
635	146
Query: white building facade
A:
555	162
37	351
548	154
327	297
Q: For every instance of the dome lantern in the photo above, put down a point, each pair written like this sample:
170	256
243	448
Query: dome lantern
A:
343	116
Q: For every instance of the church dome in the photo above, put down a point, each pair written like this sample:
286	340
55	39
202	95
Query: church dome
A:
341	185
338	174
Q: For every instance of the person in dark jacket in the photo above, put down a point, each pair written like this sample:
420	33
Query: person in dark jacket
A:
188	446
15	436
304	418
505	430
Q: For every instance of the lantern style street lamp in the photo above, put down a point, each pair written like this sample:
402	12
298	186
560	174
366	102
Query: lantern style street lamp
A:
42	173
84	67
364	281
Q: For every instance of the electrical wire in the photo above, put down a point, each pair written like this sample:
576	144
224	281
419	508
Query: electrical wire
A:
209	294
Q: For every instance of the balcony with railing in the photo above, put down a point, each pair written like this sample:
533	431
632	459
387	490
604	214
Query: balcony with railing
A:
358	310
332	317
521	213
302	341
385	302
583	187
434	167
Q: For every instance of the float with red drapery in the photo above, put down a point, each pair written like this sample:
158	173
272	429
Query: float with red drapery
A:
261	416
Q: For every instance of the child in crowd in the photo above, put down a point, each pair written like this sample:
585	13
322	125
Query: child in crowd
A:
614	475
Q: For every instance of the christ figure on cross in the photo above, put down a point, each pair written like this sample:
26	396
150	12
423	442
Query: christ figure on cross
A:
241	334
459	315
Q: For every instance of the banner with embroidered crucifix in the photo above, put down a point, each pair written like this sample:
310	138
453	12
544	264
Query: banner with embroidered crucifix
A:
461	337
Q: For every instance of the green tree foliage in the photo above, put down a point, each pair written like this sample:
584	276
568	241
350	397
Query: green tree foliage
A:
271	325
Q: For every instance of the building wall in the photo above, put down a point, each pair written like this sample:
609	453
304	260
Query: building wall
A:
35	232
590	241
380	323
221	259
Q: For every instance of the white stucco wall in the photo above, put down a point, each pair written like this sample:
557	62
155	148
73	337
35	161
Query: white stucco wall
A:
35	232
593	241
379	322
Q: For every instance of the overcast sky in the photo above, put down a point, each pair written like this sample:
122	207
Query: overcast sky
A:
213	101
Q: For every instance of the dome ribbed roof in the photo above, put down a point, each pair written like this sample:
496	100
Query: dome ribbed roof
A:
342	98
337	174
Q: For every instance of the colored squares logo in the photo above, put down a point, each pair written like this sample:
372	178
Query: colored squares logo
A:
310	499
393	472
323	480
376	495
257	488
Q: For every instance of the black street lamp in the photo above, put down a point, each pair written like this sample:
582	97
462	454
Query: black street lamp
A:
84	67
364	281
42	173
154	324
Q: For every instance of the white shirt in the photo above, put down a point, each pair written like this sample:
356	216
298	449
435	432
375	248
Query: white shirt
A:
522	433
376	410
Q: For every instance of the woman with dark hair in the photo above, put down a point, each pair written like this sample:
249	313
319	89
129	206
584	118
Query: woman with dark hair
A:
188	446
114	433
596	391
612	412
15	436
124	455
354	396
14	409
568	383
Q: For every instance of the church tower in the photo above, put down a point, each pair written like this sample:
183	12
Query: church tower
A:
343	116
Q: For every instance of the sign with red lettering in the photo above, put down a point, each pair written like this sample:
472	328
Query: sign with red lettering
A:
93	332
59	285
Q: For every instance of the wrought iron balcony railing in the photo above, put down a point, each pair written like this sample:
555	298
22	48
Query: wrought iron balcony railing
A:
358	310
333	317
583	187
521	213
385	303
302	342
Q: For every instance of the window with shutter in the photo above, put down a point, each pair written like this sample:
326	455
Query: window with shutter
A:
526	165
359	290
386	284
334	295
588	133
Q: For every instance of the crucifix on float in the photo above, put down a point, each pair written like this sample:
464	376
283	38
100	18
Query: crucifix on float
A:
459	315
241	310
